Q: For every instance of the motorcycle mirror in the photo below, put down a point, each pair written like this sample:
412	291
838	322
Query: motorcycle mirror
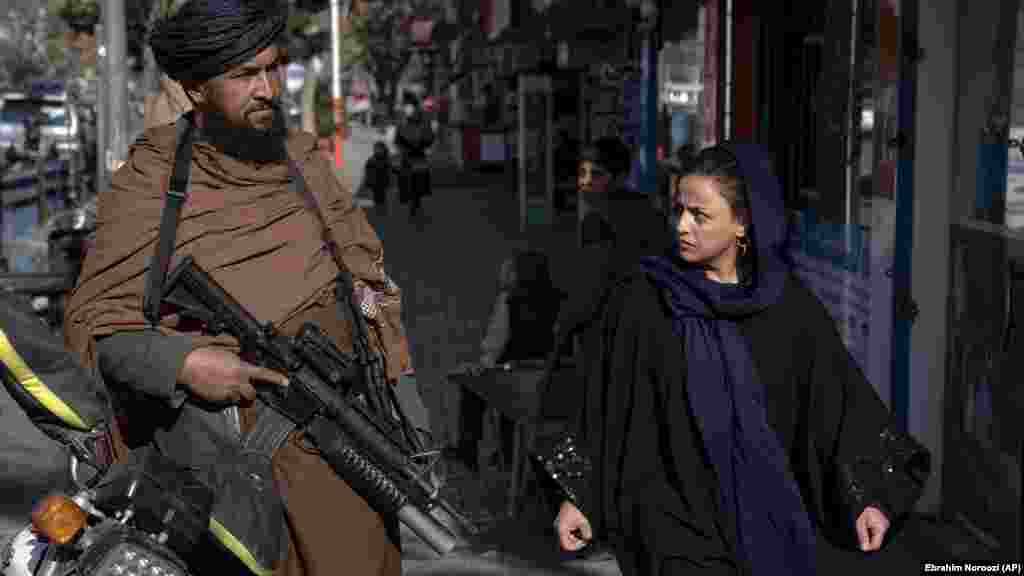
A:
58	518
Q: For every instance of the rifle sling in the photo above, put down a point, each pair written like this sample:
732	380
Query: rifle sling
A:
177	195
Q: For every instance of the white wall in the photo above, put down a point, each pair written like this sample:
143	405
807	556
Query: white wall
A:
934	185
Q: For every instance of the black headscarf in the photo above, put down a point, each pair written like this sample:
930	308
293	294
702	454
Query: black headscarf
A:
775	535
209	37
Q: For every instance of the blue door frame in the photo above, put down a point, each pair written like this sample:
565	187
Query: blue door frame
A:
904	309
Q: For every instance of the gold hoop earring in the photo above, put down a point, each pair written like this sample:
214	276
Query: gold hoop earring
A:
743	243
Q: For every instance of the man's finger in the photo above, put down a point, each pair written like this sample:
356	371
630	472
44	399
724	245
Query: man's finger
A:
268	375
565	540
574	542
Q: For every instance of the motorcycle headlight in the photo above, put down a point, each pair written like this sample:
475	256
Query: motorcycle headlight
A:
128	558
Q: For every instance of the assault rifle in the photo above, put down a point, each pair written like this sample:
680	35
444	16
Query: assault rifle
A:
333	397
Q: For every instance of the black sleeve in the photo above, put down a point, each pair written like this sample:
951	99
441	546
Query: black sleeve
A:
874	462
586	288
579	463
595	230
146	361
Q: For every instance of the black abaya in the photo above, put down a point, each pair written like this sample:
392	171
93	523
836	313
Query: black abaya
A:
653	496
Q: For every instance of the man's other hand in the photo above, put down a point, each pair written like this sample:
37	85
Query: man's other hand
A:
221	377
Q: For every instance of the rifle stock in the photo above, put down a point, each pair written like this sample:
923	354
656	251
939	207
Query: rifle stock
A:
370	456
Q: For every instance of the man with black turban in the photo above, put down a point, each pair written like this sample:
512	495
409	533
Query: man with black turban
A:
190	394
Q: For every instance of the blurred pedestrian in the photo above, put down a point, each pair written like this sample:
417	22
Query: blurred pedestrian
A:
414	138
621	228
603	167
377	173
521	327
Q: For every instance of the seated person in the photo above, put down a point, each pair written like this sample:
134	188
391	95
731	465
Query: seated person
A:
522	327
522	321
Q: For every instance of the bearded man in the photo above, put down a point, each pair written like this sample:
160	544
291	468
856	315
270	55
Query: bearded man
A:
190	394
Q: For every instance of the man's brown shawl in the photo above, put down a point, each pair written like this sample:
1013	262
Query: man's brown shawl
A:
246	227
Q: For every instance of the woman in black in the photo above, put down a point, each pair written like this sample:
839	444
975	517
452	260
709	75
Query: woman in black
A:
727	428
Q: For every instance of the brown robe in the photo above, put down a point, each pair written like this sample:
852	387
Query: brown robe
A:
165	106
244	225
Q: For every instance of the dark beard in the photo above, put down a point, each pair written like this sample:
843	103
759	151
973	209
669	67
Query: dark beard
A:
257	145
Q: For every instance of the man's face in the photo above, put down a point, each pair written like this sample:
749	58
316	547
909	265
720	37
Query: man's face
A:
244	96
592	178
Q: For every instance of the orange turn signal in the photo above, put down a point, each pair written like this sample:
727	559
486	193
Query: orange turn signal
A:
58	518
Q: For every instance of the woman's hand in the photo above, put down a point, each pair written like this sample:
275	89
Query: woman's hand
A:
572	527
872	525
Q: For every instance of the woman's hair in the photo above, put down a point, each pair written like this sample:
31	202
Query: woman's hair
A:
719	164
609	152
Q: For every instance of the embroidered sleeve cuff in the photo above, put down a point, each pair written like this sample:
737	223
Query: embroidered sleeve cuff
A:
566	472
891	480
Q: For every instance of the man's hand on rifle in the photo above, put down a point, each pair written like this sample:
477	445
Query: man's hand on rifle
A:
221	377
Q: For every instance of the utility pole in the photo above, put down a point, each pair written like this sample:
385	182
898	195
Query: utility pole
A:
71	87
339	10
116	108
102	92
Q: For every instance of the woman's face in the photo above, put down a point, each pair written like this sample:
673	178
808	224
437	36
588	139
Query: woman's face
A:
592	177
706	226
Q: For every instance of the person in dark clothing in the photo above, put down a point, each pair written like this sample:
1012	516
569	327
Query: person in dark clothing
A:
566	158
521	327
621	228
378	173
413	139
727	428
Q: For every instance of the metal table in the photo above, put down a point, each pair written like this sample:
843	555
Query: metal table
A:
518	394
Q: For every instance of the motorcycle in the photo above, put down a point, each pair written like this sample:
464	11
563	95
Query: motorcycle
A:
144	517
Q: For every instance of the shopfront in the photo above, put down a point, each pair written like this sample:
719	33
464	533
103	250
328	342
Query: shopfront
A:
981	475
828	92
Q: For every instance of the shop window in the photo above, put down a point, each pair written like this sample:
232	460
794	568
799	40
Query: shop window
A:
1014	188
20	221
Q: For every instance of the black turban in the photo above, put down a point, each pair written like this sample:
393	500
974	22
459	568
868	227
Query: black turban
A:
209	37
